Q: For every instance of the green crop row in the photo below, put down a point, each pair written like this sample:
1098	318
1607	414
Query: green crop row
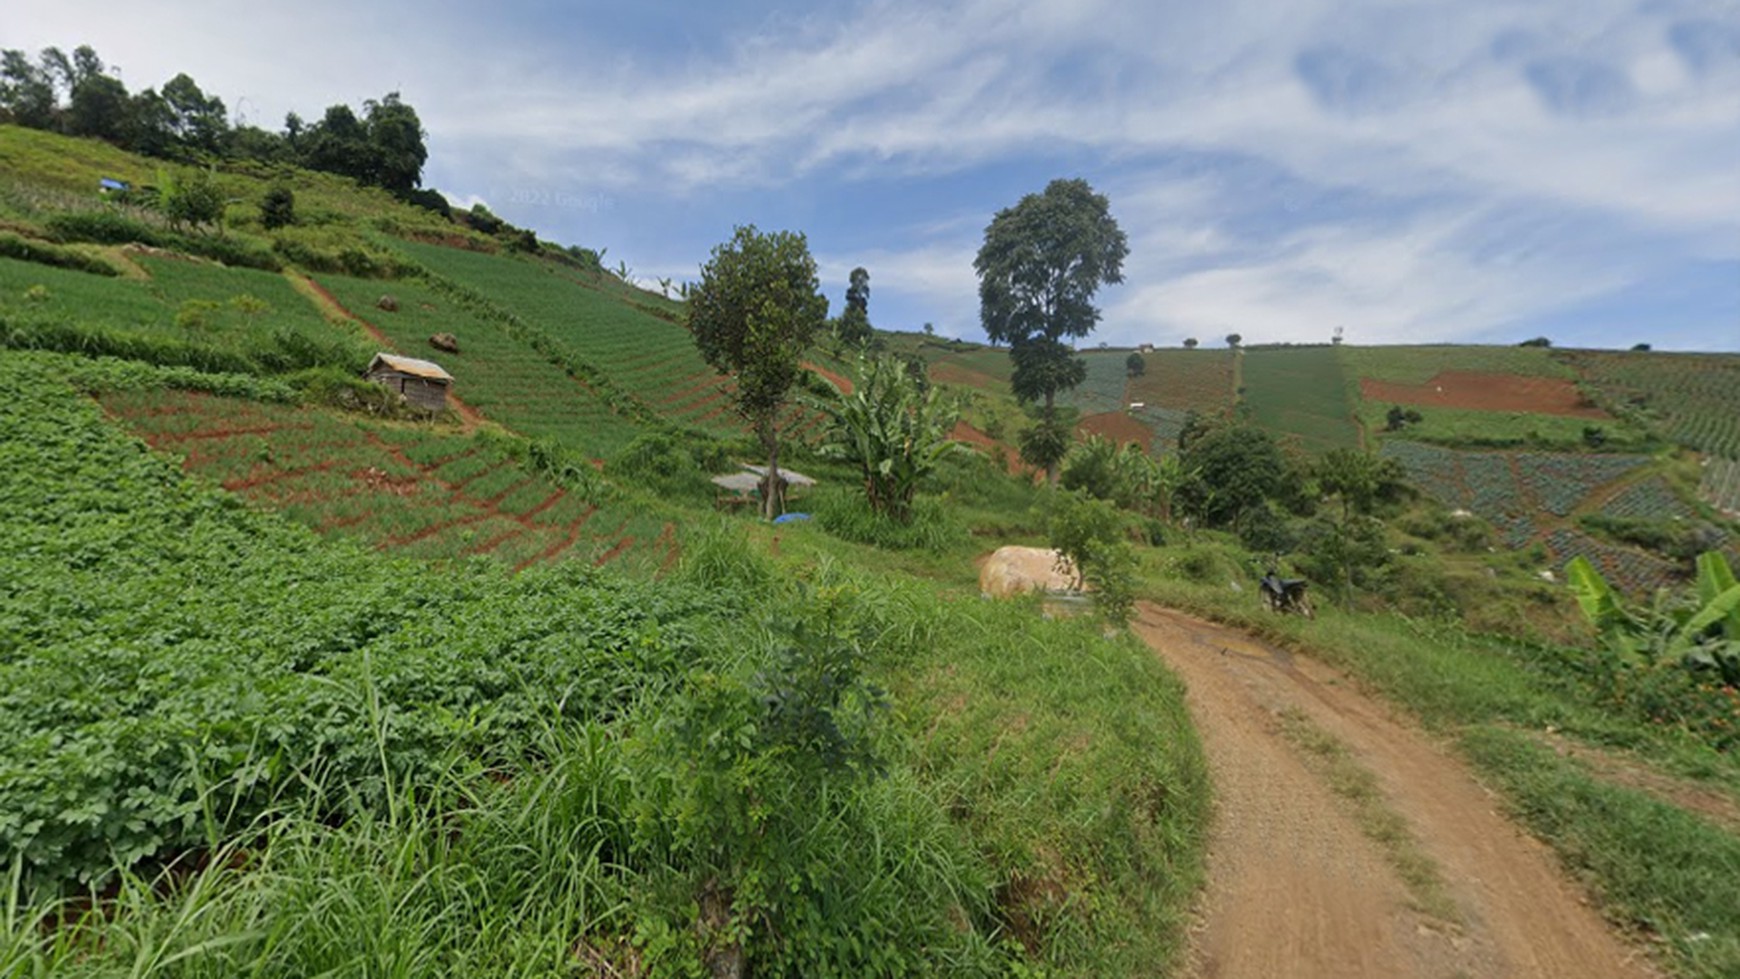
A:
165	654
1690	396
504	378
1301	392
1417	365
1185	380
404	489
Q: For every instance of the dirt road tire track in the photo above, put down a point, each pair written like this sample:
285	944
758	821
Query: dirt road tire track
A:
1294	888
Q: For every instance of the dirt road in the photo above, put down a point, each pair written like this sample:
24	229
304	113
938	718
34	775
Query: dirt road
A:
1297	889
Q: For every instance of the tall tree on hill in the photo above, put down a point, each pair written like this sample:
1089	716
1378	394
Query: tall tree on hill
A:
853	326
396	136
200	122
26	91
755	312
338	143
150	125
1039	268
100	107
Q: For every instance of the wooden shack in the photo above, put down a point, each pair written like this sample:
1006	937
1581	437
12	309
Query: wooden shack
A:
423	383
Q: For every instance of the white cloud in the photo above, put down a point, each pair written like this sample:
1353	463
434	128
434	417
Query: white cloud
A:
1466	127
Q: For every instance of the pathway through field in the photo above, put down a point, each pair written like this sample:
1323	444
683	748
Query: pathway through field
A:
1296	889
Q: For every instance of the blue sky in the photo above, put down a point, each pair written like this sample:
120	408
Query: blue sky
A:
1482	170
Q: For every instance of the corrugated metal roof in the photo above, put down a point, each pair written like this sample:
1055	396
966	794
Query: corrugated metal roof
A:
791	476
738	482
411	366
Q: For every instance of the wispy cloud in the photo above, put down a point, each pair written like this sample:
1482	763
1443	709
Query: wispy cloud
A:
1439	169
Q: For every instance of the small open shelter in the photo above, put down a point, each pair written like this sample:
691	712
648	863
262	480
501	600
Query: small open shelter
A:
744	487
422	382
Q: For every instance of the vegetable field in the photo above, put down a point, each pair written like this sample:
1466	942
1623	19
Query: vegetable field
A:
1185	380
651	357
1650	499
1720	486
1632	570
500	376
1417	365
159	642
401	489
1510	490
1691	396
1301	392
232	309
1103	390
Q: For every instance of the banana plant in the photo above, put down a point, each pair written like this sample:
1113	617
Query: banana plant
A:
895	432
1702	632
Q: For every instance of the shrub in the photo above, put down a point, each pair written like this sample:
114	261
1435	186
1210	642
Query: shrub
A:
278	208
44	253
1089	533
190	198
103	227
846	515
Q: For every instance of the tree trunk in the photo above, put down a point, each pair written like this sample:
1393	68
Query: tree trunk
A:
1051	419
772	486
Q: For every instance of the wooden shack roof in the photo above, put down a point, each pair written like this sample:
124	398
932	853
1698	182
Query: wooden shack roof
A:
411	366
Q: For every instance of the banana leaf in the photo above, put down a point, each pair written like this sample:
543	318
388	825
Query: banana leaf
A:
1716	578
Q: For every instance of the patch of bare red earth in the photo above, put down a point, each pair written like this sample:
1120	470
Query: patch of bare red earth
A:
1117	426
1486	392
946	373
832	377
1296	889
963	432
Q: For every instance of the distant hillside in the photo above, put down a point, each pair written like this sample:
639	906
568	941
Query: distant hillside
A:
1625	458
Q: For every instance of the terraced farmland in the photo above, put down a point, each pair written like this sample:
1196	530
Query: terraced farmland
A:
1650	499
1693	397
652	358
1301	392
1510	490
1185	380
1417	365
1103	390
1720	486
403	489
501	377
207	300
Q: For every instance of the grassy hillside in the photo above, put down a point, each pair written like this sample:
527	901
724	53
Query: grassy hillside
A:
296	681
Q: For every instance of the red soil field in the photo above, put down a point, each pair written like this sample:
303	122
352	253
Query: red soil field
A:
838	381
1118	427
964	432
1486	392
964	376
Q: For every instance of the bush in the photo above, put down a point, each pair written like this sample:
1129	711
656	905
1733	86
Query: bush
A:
114	228
43	253
104	227
335	251
1089	533
283	352
846	515
278	208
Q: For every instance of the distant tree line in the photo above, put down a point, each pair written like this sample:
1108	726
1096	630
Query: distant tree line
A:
80	96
